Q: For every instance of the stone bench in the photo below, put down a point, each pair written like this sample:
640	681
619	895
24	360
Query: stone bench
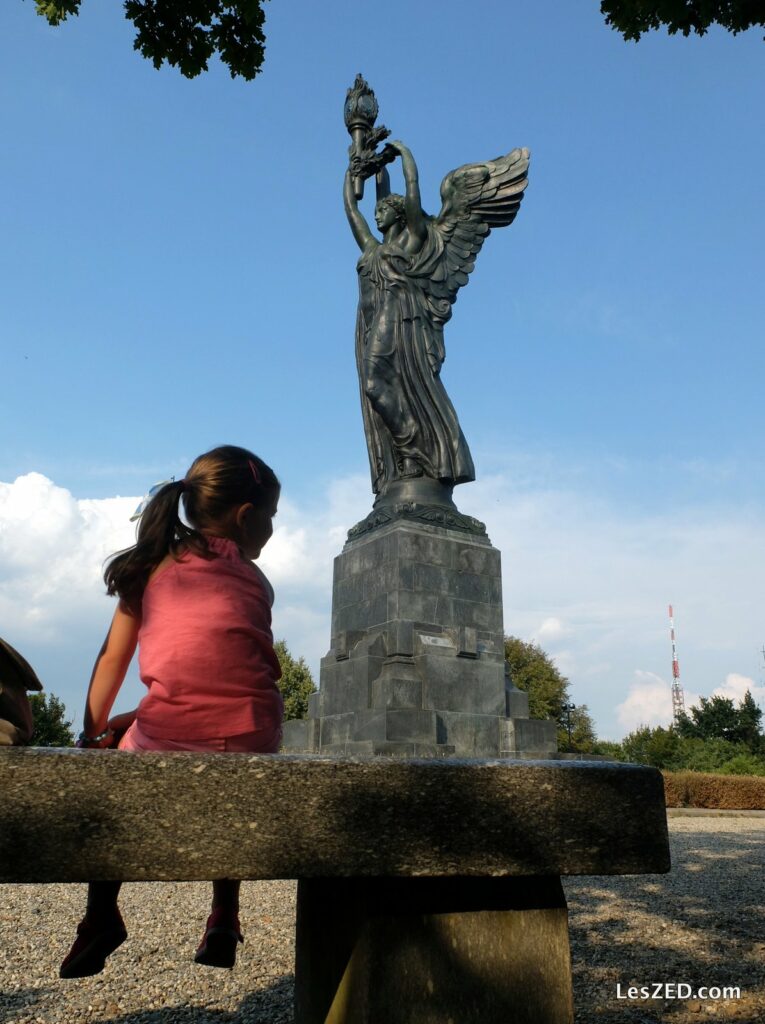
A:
428	890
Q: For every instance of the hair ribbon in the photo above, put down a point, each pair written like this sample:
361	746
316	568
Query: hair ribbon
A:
150	494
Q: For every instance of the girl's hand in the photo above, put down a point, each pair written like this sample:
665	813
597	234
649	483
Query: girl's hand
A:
102	741
119	724
122	722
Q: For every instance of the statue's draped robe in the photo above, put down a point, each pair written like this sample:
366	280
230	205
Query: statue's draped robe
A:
406	352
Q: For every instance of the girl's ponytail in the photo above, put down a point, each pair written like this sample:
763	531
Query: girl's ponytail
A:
160	531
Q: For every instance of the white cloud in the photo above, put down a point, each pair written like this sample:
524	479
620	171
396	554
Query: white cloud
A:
648	702
735	687
52	549
551	627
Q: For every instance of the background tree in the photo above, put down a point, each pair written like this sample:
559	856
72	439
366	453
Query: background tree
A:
718	718
711	718
535	672
610	749
750	723
634	17
582	731
296	682
186	33
667	748
657	747
51	728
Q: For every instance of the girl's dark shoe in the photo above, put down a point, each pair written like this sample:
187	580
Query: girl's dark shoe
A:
94	942
219	942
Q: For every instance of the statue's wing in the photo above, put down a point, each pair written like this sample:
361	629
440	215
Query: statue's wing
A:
476	198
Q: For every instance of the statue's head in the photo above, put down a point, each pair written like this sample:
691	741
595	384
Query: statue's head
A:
394	204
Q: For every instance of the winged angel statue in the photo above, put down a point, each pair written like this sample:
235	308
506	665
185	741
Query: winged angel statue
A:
408	283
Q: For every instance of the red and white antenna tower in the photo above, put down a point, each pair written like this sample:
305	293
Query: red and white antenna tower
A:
678	699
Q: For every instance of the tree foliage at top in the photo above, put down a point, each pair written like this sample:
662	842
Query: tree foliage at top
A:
186	33
296	682
634	17
51	729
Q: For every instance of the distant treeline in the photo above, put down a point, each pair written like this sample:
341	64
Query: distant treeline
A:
717	736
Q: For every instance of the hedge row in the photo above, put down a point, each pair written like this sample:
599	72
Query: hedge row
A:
726	792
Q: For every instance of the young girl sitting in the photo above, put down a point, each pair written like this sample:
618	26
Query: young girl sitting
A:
199	611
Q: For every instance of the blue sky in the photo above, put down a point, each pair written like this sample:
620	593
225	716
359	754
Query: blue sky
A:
176	272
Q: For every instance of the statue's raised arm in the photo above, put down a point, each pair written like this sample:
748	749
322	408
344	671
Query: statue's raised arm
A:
413	211
356	219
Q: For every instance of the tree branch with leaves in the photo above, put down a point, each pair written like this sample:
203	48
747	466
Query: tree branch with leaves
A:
296	683
187	33
635	17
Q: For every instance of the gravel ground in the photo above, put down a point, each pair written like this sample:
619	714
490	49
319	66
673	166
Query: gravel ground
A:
702	925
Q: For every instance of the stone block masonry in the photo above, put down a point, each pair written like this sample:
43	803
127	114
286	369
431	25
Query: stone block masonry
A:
416	665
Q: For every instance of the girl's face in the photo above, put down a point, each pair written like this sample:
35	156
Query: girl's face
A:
255	527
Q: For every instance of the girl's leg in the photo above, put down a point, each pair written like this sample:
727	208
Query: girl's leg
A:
226	894
222	934
102	901
99	933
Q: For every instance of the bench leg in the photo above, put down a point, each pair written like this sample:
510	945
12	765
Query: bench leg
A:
432	951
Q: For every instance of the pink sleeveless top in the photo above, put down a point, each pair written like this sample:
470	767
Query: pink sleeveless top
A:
206	650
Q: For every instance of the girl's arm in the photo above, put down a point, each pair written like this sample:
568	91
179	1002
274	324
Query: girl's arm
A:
415	218
110	669
356	219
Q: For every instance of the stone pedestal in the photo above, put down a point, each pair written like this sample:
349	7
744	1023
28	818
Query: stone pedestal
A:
431	950
416	665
